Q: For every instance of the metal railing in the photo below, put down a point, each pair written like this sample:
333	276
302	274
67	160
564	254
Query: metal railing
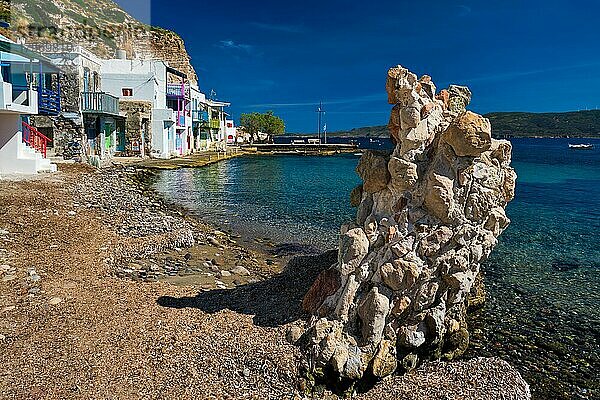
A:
48	102
200	116
177	90
99	103
35	139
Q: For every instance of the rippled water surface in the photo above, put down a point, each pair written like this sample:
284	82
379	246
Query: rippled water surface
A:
543	279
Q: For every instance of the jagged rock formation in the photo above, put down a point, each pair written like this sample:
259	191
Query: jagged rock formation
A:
428	215
101	26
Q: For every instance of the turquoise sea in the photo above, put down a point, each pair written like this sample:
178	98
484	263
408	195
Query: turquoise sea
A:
543	279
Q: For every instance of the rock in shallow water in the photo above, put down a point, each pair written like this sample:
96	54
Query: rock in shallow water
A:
428	214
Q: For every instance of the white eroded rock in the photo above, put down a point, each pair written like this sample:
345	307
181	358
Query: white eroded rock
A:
427	215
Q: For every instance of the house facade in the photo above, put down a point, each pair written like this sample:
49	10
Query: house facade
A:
88	114
213	130
161	108
139	107
230	132
29	85
170	114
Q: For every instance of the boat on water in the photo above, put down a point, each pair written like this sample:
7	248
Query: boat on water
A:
581	146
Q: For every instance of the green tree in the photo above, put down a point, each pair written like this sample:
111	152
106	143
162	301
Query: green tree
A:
266	123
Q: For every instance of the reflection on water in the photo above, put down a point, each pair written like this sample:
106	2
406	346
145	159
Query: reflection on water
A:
289	199
543	279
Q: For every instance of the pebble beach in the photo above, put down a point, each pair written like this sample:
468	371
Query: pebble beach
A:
101	296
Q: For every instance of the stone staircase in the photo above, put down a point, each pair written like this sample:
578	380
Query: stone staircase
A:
24	153
37	163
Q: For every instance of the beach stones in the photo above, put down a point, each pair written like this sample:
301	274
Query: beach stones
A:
427	215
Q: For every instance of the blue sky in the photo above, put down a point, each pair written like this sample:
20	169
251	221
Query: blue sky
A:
286	56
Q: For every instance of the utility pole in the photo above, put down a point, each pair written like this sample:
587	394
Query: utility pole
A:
320	113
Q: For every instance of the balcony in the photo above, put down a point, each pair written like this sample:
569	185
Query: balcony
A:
178	91
211	123
48	102
215	123
99	103
199	116
18	98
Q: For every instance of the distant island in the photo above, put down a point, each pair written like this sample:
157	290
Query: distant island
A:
516	124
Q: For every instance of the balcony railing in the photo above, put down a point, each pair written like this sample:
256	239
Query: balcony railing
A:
178	91
48	102
199	116
99	103
215	124
211	123
35	139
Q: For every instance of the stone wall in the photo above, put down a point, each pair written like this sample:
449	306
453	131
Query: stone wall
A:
138	117
64	130
70	89
427	215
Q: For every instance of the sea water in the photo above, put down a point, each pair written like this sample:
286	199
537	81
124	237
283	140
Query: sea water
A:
543	279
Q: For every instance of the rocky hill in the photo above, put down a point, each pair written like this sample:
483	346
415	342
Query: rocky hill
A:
572	124
99	25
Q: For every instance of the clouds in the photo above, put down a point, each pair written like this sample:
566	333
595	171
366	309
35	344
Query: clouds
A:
463	10
232	45
502	76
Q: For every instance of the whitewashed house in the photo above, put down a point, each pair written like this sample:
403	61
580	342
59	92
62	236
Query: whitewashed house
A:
230	132
182	119
147	81
23	149
214	129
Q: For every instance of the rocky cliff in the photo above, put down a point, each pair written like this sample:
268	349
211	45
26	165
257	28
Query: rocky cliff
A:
428	215
99	25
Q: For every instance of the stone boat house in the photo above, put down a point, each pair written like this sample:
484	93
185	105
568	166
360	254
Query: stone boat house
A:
88	114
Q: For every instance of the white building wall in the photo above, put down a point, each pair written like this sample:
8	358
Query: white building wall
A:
148	81
15	156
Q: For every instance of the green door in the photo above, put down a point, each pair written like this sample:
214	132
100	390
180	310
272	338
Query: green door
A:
108	129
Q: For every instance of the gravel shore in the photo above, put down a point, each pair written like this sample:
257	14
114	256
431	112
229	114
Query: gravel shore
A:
106	292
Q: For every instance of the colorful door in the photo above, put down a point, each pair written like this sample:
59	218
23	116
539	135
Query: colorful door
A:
178	142
121	140
108	130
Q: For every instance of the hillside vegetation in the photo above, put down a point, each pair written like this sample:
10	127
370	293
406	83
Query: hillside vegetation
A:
101	26
517	124
572	124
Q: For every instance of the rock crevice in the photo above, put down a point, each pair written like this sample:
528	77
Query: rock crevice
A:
428	214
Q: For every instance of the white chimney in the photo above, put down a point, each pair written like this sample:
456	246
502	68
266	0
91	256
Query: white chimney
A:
121	54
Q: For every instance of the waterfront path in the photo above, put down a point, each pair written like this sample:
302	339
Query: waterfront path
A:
194	160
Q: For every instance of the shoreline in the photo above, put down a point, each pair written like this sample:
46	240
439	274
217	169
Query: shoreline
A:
58	312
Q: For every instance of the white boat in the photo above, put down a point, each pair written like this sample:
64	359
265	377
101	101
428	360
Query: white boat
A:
581	146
